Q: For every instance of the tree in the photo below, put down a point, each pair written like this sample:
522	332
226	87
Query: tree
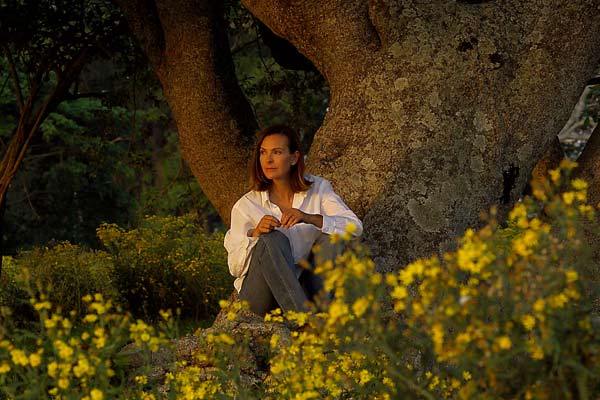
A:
438	109
45	45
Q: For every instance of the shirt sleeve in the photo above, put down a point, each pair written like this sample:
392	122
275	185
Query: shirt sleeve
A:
336	214
237	242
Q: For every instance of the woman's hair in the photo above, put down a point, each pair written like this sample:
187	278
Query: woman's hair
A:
258	180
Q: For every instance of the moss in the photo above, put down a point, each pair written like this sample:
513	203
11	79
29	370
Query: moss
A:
427	214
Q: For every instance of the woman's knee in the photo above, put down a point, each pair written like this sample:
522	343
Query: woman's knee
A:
273	239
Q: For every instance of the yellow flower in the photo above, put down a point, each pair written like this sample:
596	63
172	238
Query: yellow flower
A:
558	301
365	377
44	305
96	394
437	336
98	307
536	351
568	198
53	369
463	338
554	175
19	357
528	321
83	367
337	310
4	367
571	275
466	375
360	306
567	164
539	305
579	184
91	318
63	383
50	323
518	213
350	229
504	342
399	293
35	360
64	351
225	338
523	244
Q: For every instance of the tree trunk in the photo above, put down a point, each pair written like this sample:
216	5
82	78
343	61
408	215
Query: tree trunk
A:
186	42
439	109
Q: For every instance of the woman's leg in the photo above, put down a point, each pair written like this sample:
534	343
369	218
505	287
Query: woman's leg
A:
271	279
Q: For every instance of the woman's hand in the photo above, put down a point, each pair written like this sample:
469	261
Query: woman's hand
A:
266	224
291	217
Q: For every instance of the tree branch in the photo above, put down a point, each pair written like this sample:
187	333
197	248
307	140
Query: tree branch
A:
20	142
15	76
312	27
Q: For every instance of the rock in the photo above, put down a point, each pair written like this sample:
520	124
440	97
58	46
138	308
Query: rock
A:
252	349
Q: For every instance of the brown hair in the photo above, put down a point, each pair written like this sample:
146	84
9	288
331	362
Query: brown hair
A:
258	180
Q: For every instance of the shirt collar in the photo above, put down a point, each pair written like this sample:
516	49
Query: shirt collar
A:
264	198
297	202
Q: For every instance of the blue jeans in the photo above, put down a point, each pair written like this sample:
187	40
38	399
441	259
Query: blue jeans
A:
271	281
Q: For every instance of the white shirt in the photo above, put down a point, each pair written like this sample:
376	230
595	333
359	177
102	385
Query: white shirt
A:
248	211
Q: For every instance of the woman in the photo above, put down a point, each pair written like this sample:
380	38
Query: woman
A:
277	223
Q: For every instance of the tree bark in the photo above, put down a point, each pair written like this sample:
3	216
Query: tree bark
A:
186	43
450	107
438	109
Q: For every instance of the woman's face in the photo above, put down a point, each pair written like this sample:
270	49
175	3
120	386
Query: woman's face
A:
275	157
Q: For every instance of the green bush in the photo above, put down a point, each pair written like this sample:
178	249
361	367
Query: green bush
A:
87	360
509	314
168	263
12	295
66	272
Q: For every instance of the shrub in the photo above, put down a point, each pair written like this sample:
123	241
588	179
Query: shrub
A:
60	360
168	263
12	296
507	315
66	272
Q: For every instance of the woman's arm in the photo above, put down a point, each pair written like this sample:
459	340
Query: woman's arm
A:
336	214
237	242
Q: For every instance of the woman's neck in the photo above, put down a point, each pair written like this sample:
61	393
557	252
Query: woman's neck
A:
281	189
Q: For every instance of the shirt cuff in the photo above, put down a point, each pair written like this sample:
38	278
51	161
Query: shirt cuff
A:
328	225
